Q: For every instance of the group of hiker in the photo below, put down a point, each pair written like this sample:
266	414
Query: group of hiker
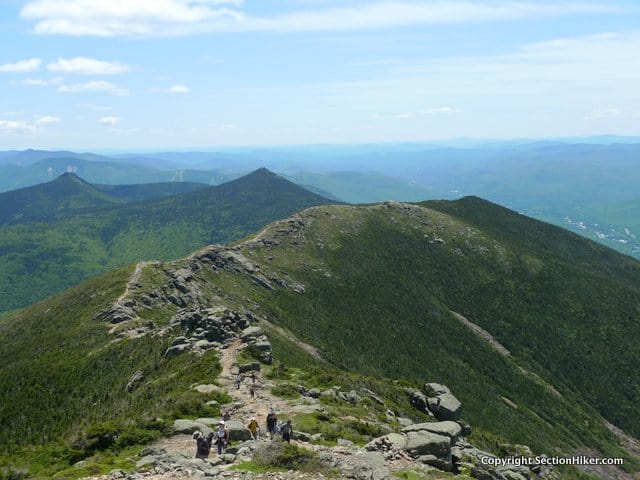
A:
220	437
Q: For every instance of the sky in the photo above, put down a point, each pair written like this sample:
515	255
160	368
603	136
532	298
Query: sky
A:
198	74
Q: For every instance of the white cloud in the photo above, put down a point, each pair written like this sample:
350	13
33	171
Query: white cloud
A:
178	89
47	119
87	66
39	82
604	114
93	86
109	121
15	127
22	66
441	111
179	17
394	116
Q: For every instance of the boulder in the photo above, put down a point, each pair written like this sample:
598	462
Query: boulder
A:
418	400
427	443
445	407
435	389
250	333
301	436
365	466
249	367
448	428
189	426
238	432
442	463
176	350
208	388
394	441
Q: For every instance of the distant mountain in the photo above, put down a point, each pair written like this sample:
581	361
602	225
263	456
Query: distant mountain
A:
46	257
69	194
532	328
30	156
65	195
103	171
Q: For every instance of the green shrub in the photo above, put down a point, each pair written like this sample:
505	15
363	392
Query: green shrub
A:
286	391
286	455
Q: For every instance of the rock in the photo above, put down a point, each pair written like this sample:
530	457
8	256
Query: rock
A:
448	428
404	421
445	407
189	426
176	350
365	466
117	473
249	367
427	443
152	451
237	431
179	341
435	389
438	462
146	461
208	388
392	441
301	436
251	333
135	378
344	442
351	397
317	437
419	400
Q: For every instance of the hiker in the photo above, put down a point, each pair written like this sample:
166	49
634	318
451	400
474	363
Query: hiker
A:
252	391
227	416
238	381
253	377
253	428
203	444
222	437
287	430
272	422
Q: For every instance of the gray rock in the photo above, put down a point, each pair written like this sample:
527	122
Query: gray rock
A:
176	350
189	426
438	462
394	441
448	428
134	380
344	442
237	431
152	451
435	389
418	400
146	461
251	333
117	473
365	466
427	443
445	407
404	421
301	436
249	367
179	341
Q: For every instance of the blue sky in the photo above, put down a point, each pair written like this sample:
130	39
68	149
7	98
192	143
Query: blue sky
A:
186	74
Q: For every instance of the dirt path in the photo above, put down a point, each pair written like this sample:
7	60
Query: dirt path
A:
263	400
135	277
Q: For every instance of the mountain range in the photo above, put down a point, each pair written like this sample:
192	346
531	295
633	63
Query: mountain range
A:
65	231
532	327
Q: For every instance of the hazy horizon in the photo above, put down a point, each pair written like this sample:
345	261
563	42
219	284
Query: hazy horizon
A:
202	74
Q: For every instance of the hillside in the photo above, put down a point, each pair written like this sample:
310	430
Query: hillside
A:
41	258
65	195
518	318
